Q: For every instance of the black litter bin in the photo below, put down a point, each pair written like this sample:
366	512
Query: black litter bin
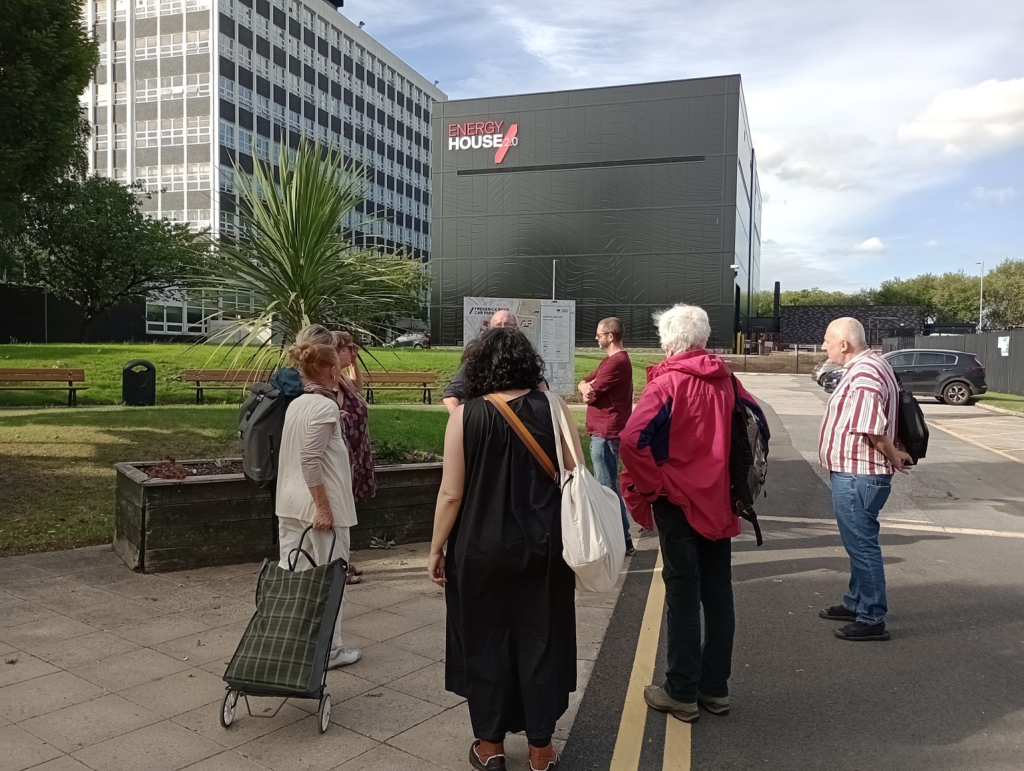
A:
138	383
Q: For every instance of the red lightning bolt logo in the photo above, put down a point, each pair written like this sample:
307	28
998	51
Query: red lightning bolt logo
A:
506	143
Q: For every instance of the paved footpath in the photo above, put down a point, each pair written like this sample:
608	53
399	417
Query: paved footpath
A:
947	692
105	669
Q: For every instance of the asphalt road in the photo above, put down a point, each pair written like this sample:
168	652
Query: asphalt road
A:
947	692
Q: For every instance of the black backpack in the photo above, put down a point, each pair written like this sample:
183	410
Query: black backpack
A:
261	422
911	430
748	458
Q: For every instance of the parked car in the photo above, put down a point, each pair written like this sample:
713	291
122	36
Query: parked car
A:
411	340
821	368
953	377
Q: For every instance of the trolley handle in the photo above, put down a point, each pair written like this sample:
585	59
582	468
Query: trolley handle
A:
293	555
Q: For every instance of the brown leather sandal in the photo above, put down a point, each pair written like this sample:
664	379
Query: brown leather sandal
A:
494	763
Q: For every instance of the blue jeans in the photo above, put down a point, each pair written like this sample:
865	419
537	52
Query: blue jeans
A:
857	500
604	454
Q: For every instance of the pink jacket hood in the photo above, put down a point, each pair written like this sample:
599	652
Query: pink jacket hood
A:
676	443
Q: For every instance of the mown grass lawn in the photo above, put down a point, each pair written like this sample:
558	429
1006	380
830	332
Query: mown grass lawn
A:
103	365
1003	401
57	490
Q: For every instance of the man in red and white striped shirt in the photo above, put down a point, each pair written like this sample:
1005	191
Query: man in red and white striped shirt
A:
858	446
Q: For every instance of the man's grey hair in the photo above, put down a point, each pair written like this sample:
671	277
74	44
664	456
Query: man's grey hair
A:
683	327
850	330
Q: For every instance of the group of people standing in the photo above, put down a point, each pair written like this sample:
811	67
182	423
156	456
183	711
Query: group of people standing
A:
497	541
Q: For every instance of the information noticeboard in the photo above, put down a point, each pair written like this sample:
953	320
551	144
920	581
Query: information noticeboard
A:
550	325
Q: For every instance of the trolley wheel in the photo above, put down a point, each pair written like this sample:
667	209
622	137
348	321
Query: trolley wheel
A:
227	709
325	712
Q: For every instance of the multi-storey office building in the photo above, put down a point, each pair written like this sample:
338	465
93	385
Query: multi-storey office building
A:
625	199
189	93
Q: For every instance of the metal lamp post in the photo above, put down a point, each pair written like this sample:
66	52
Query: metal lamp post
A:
981	296
554	266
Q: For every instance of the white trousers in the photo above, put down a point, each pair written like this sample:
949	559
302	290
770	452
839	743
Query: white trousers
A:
318	545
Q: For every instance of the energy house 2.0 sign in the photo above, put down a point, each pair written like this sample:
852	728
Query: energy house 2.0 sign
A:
483	134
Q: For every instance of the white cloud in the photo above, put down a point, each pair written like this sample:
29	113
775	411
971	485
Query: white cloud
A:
931	243
993	195
976	120
872	246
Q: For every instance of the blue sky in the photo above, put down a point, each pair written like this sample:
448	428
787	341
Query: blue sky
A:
889	135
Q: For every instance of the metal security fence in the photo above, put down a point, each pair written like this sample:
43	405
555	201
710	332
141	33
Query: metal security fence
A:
1004	374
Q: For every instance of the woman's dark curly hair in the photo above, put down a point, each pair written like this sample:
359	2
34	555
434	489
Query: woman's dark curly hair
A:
502	360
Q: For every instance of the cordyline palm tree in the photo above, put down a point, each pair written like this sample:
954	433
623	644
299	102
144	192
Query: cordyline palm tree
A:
296	264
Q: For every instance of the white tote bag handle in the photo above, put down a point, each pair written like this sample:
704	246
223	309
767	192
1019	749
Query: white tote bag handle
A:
562	429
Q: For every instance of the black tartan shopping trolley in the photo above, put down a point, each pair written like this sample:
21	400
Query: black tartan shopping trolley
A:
285	649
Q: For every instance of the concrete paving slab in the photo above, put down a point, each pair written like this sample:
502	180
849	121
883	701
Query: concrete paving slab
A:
164	746
64	763
160	629
222	612
217	644
378	595
226	761
380	625
84	649
23	613
19	666
428	609
48	693
427	684
385	758
22	750
177	693
428	641
139	666
444	739
48	630
83	725
114	612
300	747
381	663
382	713
205	721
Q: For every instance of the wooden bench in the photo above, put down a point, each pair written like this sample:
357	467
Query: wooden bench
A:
223	379
24	377
399	381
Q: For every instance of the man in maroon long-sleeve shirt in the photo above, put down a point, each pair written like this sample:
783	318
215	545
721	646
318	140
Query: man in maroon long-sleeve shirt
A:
608	392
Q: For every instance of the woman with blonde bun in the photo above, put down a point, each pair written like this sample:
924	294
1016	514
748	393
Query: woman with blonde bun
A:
354	423
314	473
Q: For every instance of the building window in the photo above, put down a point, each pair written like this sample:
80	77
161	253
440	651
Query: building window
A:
196	5
263	27
262	106
279	114
101	10
170	45
245	57
120	51
227	135
263	148
245	16
226	182
102	138
263	67
197	41
146	47
168	7
172	131
294	121
245	98
309	92
148	175
227	47
172	177
245	141
227	7
147	133
198	129
198	176
226	89
120	136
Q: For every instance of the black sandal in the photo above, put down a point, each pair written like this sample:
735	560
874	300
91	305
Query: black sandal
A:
494	763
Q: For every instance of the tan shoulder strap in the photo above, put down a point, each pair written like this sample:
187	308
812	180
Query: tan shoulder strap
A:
523	433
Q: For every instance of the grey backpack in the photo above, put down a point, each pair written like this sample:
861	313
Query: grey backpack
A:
748	458
261	423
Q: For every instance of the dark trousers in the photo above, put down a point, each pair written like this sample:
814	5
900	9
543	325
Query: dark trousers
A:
697	572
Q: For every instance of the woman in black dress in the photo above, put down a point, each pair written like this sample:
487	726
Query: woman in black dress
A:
497	550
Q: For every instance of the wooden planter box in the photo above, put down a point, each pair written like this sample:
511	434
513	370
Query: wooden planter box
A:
162	524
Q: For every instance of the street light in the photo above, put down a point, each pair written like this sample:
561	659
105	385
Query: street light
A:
554	266
981	295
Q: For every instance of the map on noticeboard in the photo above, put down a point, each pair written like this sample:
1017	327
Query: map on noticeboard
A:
550	325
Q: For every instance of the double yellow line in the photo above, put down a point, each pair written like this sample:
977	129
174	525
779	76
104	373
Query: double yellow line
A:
630	741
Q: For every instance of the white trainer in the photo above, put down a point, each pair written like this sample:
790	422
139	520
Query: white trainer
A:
343	657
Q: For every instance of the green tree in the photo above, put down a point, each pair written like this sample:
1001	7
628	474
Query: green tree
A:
919	291
46	62
1004	294
87	240
956	297
295	262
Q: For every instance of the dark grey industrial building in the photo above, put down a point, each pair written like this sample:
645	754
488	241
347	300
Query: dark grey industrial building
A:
631	198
